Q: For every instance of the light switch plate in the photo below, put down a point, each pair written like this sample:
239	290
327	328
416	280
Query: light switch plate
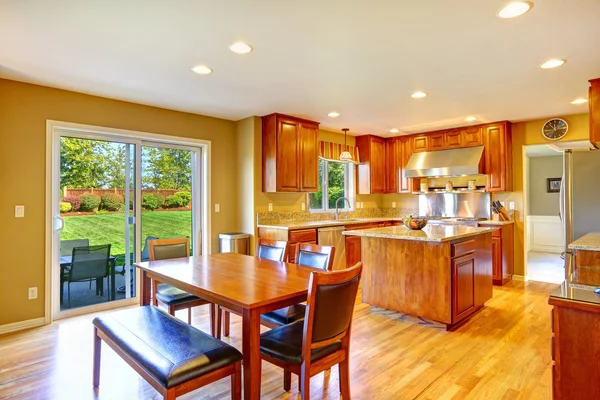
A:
217	208
511	205
19	211
270	206
393	204
303	206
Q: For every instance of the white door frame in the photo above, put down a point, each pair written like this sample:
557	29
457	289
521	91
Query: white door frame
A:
201	221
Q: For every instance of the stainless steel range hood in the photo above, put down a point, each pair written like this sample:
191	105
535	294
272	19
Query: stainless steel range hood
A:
455	162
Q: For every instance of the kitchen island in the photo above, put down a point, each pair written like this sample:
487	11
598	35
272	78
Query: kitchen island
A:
443	273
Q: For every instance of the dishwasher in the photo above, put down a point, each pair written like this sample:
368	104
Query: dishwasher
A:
333	237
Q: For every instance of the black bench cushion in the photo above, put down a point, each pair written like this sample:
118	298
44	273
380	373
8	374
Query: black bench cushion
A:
285	315
170	350
285	344
172	296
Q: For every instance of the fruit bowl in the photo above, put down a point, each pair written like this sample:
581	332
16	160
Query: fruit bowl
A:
415	223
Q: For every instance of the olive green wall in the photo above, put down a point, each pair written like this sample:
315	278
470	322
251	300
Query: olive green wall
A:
24	109
524	134
540	169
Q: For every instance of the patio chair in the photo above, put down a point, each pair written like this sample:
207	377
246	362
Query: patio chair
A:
120	261
89	262
66	249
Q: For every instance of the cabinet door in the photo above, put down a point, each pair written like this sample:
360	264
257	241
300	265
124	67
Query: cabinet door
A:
472	137
594	103
420	143
495	158
463	286
309	158
454	139
288	155
377	159
352	250
437	141
391	165
405	150
497	258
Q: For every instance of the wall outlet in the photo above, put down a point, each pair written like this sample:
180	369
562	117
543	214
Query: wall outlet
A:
393	204
511	205
303	206
502	203
19	211
32	293
270	206
217	208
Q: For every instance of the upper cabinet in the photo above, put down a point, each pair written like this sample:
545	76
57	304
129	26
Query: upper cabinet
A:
289	154
594	101
372	170
404	146
420	143
498	157
393	168
471	136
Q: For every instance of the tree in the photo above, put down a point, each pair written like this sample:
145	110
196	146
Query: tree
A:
84	163
167	168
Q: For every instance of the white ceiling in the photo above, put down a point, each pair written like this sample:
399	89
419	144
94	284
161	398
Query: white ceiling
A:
361	58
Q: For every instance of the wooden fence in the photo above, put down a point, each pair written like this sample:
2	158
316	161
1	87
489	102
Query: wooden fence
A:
100	192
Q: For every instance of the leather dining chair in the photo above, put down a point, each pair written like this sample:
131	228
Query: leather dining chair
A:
175	299
309	255
276	250
322	340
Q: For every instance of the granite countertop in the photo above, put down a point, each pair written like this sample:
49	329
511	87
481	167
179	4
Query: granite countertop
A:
323	223
431	233
590	241
576	292
492	222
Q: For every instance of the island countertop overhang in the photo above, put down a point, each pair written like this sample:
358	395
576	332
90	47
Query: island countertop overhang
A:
431	233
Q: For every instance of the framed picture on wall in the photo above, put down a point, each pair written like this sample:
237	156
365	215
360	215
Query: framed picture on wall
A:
554	185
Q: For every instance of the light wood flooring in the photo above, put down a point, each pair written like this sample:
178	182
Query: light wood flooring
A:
502	353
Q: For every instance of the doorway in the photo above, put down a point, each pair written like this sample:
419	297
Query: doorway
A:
111	193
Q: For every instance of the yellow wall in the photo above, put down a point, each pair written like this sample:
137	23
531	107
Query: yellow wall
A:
24	109
524	134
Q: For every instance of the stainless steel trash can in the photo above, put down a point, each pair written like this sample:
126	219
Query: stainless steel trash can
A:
234	243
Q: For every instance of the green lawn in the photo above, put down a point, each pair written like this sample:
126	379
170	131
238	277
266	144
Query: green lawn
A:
110	228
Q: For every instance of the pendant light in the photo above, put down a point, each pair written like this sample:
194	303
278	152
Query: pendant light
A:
345	156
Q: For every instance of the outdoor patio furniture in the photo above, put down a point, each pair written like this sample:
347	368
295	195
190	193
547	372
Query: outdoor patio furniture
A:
88	262
65	266
67	246
120	268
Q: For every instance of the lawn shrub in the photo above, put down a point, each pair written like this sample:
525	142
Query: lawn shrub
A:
111	202
174	201
150	201
89	202
186	198
75	202
65	207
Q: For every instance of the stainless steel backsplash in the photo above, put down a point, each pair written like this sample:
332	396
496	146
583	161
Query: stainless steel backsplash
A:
459	205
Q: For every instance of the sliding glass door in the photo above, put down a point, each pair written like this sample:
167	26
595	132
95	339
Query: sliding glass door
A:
111	196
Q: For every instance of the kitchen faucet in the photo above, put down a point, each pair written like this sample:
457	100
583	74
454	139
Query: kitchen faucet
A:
337	210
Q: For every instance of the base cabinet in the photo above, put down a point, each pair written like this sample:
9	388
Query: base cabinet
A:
352	250
503	255
463	294
575	349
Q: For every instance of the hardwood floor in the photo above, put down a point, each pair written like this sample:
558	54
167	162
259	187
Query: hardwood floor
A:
503	352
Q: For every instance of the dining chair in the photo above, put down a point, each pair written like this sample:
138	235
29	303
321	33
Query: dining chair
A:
88	263
322	340
276	250
175	299
309	255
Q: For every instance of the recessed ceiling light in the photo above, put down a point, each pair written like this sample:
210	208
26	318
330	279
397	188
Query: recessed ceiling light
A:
515	9
202	69
471	119
334	114
394	130
579	101
418	95
555	62
240	48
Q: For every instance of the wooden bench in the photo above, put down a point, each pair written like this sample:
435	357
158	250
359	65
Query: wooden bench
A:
174	357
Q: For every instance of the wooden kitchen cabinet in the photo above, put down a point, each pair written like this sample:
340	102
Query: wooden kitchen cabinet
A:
594	103
503	255
463	292
289	154
371	177
437	141
498	157
471	136
420	143
454	139
405	185
293	237
352	250
393	169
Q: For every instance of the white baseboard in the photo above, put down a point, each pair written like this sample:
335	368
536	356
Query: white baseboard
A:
18	326
545	233
520	278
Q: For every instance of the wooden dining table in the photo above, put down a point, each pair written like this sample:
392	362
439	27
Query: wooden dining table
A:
249	286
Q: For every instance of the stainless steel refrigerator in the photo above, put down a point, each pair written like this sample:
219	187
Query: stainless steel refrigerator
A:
580	198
